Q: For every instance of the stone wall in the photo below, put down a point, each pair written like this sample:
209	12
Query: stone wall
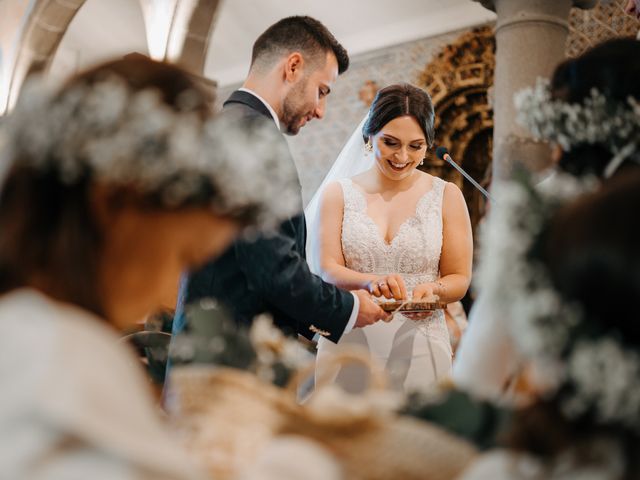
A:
318	144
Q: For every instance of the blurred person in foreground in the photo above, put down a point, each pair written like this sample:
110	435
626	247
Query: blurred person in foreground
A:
573	265
589	113
112	186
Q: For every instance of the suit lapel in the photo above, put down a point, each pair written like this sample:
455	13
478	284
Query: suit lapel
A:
295	227
250	101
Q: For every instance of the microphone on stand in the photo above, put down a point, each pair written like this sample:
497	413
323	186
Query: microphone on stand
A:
443	154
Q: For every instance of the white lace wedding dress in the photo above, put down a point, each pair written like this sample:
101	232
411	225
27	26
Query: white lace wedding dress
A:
415	353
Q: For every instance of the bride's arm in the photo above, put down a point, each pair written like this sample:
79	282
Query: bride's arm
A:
332	265
457	250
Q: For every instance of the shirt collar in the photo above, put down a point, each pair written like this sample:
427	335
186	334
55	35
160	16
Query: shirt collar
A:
271	110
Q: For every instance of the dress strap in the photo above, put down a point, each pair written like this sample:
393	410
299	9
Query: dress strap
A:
438	191
353	198
431	202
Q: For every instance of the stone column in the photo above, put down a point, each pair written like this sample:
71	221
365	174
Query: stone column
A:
530	42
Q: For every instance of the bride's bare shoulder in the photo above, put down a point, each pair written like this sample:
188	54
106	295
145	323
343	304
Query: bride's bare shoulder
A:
425	180
332	194
365	181
361	178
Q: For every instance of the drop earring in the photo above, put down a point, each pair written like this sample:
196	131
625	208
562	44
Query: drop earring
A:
422	162
368	147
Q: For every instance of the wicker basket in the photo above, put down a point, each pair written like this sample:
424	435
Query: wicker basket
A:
401	448
381	446
227	416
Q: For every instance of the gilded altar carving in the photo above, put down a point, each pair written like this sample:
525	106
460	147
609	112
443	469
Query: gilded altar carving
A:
459	81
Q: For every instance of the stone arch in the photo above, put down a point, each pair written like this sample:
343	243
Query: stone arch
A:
39	38
184	33
196	42
100	31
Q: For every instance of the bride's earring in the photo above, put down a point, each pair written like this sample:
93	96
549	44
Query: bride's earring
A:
422	162
368	147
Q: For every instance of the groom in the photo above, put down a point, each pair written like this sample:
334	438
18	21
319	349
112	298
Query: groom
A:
293	65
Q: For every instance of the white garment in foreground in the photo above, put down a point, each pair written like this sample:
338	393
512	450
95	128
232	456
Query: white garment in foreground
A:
74	401
415	354
291	457
486	359
506	465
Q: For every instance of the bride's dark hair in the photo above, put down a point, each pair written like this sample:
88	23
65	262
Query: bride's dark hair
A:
397	101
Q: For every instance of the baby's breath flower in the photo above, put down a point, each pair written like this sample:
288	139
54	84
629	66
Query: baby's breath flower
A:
134	139
604	376
596	120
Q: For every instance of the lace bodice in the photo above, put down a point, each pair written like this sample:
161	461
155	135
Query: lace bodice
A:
415	353
415	250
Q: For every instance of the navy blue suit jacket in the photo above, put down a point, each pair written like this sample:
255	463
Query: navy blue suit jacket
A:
269	274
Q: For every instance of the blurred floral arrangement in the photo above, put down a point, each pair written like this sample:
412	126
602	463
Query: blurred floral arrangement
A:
596	120
479	421
588	364
108	132
214	338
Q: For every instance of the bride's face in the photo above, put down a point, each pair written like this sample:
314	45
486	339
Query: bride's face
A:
399	147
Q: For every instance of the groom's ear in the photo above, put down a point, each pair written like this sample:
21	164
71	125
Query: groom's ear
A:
294	66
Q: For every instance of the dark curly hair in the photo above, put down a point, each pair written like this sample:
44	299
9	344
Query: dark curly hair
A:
613	68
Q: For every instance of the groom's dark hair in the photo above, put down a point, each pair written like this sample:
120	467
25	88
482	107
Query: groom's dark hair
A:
303	34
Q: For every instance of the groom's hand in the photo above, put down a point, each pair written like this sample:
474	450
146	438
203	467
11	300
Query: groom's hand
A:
369	312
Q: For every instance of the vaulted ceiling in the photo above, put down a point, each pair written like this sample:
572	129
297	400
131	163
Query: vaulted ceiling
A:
65	36
104	28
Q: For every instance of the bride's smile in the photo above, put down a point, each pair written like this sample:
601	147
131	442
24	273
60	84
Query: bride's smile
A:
398	166
399	147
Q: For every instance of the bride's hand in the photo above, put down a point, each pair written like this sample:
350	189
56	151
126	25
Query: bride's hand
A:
426	291
388	286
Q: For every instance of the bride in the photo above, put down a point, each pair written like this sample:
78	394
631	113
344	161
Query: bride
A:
396	231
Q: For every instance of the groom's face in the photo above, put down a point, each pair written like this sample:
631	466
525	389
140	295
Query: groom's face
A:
307	98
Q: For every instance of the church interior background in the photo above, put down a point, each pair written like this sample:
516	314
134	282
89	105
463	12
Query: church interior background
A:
446	47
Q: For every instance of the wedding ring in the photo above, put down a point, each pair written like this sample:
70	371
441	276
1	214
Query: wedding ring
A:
381	283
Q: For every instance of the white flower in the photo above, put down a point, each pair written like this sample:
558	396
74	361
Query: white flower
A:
271	345
605	375
596	120
134	139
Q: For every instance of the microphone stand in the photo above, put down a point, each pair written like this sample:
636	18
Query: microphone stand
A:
447	158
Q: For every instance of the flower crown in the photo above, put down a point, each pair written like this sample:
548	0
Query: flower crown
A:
594	121
117	136
602	375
